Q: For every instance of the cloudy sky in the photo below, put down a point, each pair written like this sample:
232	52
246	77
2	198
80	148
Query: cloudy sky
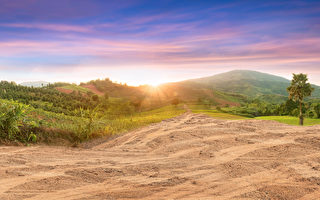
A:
156	41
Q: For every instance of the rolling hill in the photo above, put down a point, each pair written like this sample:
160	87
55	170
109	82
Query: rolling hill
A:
150	96
249	83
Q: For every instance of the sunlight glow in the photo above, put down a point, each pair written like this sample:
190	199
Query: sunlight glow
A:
132	76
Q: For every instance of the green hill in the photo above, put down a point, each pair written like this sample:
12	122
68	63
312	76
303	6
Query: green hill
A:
164	94
249	83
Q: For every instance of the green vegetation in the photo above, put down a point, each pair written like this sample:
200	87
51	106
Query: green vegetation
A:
197	108
248	83
127	123
299	90
102	108
29	114
290	120
26	124
76	88
218	114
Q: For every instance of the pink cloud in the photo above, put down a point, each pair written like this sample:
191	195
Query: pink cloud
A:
51	27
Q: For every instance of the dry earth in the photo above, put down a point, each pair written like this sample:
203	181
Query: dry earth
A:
188	157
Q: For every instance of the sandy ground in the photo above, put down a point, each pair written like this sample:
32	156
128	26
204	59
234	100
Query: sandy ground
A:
188	157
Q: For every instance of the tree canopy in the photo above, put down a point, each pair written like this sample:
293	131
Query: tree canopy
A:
299	89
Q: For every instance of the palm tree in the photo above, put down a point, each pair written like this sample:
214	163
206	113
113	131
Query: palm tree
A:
298	90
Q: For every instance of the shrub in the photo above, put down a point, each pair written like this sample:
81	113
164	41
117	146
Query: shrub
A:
11	116
175	101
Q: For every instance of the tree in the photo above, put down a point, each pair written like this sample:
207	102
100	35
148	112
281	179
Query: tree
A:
175	101
298	90
95	97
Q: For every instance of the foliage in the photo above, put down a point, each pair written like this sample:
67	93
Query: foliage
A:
220	115
27	124
175	101
298	90
76	88
249	83
216	113
11	116
126	123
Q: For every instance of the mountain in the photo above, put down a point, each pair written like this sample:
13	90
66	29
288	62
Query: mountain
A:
249	83
35	84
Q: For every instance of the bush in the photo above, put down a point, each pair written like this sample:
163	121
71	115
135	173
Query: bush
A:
175	101
11	117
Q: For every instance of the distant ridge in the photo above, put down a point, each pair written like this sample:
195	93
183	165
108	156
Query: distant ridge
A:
35	84
243	75
250	83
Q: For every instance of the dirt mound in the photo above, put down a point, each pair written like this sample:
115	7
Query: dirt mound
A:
188	157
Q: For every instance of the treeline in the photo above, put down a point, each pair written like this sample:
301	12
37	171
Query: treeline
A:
257	108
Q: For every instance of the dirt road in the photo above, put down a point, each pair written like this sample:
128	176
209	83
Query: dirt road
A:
188	157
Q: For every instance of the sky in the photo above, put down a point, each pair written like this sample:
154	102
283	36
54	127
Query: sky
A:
151	42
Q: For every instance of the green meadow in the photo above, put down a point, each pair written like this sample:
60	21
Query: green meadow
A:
74	87
290	120
227	116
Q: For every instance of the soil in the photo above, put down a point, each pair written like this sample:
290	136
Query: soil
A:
188	157
63	90
93	89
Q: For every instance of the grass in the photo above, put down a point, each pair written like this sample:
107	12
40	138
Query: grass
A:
291	120
196	108
76	88
58	128
75	129
219	115
127	123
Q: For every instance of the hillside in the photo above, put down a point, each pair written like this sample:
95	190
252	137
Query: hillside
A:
148	96
34	84
232	88
250	83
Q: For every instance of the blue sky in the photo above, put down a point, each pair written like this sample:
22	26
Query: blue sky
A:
156	41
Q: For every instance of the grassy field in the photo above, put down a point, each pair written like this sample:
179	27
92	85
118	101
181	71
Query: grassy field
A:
126	123
214	113
291	120
221	115
76	88
75	129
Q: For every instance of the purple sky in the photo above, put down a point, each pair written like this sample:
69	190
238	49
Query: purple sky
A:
156	41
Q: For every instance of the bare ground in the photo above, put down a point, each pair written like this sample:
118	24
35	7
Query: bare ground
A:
188	157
